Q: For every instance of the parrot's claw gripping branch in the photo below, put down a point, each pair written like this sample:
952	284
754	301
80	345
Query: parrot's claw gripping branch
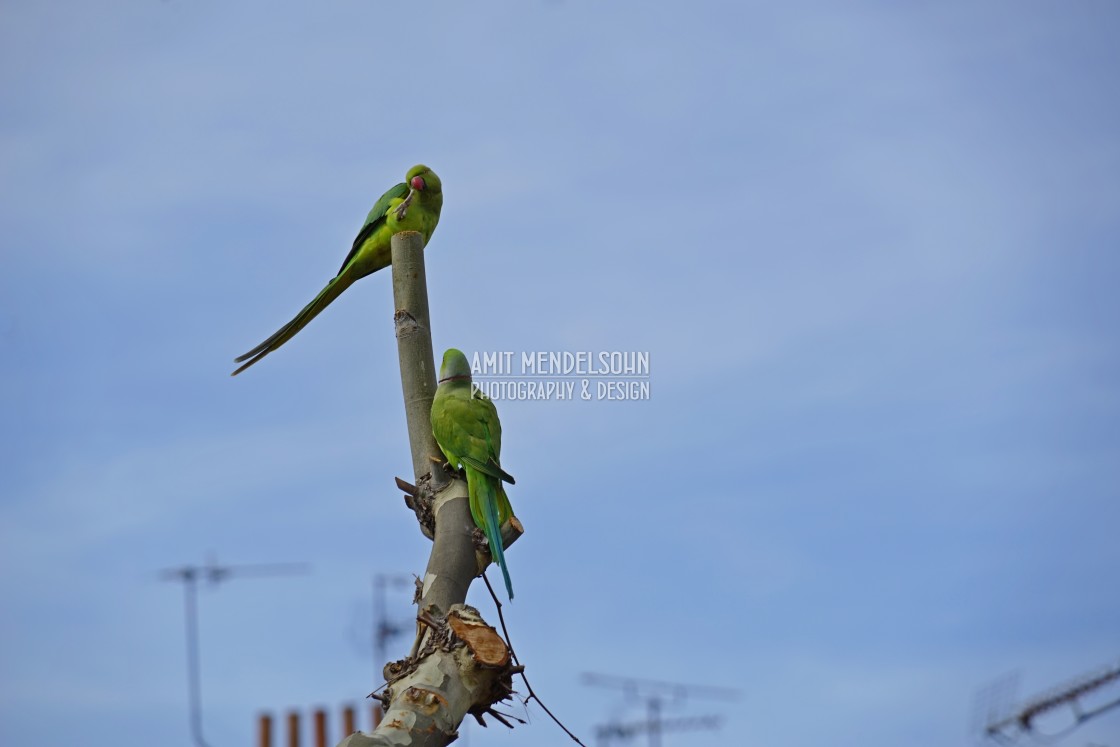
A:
452	472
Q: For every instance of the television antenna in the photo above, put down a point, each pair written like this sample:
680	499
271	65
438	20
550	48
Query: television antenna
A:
385	629
213	574
1021	719
656	693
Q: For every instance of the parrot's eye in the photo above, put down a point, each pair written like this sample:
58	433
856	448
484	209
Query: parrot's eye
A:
418	183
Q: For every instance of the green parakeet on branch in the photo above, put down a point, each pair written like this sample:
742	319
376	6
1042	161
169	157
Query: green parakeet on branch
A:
413	205
465	424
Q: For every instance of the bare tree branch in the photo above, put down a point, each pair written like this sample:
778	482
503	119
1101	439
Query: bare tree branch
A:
456	666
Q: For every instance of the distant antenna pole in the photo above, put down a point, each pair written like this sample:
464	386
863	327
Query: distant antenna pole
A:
384	629
1022	720
654	693
214	574
189	577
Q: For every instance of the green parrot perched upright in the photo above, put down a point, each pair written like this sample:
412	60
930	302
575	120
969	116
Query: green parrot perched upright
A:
465	424
412	205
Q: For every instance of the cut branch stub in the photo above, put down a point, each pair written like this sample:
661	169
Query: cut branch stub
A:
486	646
419	499
463	667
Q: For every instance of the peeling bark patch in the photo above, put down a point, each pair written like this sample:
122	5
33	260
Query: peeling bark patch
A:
456	488
424	701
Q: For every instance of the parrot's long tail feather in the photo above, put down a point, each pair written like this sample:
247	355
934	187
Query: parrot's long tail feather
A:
486	489
332	291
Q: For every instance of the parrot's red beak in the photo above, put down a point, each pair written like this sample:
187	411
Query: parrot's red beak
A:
417	183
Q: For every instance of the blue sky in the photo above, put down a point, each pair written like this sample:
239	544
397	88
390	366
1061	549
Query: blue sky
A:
871	251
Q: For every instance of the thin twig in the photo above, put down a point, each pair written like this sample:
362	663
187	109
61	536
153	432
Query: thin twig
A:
512	653
501	717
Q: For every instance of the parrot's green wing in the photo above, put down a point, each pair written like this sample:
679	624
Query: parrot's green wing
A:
491	468
474	434
375	219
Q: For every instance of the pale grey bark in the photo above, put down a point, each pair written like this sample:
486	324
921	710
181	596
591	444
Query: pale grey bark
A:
451	566
446	675
414	349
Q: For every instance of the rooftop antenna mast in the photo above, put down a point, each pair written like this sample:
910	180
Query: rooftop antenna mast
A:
1021	720
655	693
384	629
189	576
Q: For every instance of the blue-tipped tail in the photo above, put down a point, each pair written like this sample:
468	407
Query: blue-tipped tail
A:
492	526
